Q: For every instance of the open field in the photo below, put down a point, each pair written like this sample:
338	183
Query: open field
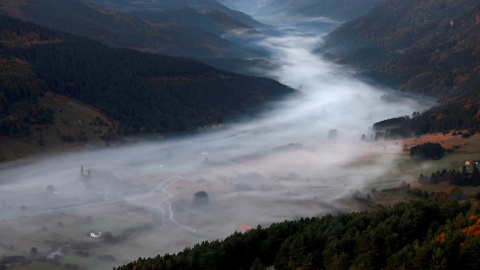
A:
143	208
407	171
157	216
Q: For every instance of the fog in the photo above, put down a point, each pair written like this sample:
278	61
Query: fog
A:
301	157
246	6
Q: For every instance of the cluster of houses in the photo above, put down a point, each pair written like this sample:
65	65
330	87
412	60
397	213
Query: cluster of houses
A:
471	162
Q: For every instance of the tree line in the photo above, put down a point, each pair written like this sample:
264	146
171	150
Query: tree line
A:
439	233
458	178
19	93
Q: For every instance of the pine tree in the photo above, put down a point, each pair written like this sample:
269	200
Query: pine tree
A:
475	177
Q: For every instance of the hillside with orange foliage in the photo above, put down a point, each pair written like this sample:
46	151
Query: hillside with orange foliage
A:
428	47
19	92
142	92
415	235
473	229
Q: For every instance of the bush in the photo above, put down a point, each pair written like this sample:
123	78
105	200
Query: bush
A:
427	151
200	198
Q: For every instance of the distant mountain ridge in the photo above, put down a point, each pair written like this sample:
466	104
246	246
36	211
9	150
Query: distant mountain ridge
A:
212	21
420	46
118	30
342	10
398	27
163	5
247	6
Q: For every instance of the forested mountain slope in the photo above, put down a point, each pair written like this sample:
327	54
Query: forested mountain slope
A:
166	5
342	10
415	235
144	92
212	21
399	28
247	6
20	89
113	29
426	47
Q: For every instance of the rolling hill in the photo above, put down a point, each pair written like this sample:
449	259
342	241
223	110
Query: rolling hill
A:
247	6
428	47
117	30
342	10
143	92
164	5
212	21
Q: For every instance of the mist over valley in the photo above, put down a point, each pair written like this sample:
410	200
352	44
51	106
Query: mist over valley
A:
191	154
282	164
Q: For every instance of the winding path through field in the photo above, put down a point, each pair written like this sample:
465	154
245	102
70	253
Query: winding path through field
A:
169	206
168	213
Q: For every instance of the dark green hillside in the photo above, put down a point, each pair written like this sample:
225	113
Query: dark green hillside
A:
145	92
428	47
19	92
20	89
342	10
398	28
212	21
168	5
113	29
415	235
446	64
247	6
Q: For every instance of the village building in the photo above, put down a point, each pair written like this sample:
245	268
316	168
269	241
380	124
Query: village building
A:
470	162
